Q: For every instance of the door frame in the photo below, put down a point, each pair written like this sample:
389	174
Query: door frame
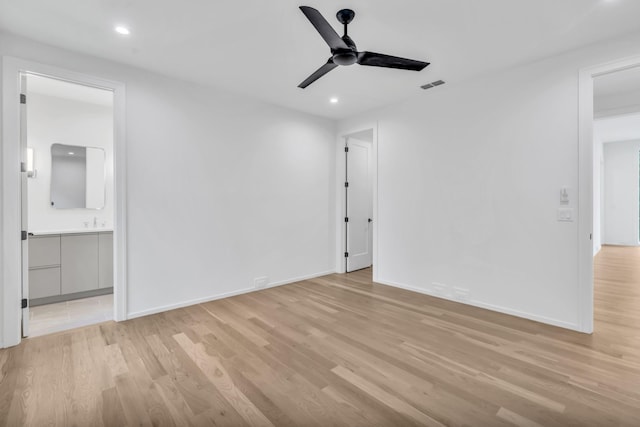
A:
585	184
352	261
24	206
341	230
10	259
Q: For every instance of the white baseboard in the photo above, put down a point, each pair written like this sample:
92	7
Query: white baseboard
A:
487	306
298	279
161	309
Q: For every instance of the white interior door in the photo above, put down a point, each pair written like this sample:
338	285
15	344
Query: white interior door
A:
24	204
359	205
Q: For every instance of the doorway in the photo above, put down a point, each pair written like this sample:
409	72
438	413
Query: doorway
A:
358	200
15	162
609	98
617	141
68	199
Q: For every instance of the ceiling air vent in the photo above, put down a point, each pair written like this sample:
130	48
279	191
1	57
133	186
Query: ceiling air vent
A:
432	84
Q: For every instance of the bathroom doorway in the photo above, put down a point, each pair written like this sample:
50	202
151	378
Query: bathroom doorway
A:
67	130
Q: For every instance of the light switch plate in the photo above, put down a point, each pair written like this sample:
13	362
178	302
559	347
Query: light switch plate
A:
565	195
565	214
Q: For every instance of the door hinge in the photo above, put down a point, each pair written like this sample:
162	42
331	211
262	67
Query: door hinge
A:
23	98
346	185
23	235
346	219
346	254
346	149
590	236
24	303
23	167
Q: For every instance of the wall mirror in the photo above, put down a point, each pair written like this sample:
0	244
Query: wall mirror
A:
77	177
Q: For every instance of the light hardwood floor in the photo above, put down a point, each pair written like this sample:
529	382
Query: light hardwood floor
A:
61	316
337	350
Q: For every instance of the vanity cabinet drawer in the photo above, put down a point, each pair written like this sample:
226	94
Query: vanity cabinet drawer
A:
44	251
44	282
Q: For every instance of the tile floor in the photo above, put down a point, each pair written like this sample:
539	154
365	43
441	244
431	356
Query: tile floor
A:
46	319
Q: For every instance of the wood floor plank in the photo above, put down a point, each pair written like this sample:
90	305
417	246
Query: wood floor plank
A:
386	398
217	374
112	411
337	350
516	419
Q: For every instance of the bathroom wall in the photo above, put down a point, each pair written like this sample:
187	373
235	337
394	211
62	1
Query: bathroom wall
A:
51	120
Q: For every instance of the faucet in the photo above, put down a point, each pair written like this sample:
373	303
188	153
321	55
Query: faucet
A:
95	222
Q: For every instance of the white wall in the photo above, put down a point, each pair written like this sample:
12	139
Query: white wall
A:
4	270
612	130
616	104
598	194
221	188
621	177
469	176
96	185
54	120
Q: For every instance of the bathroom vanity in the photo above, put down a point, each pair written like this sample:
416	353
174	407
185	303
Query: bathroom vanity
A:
70	265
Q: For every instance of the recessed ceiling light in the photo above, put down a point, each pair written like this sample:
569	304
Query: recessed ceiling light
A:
71	153
122	30
333	100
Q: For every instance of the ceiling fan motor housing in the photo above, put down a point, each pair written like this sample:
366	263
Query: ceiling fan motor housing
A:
346	56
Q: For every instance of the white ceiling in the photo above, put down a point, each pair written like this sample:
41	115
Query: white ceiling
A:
264	49
617	129
66	90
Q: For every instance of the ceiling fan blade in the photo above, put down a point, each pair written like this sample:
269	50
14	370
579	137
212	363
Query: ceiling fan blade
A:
326	31
373	59
319	73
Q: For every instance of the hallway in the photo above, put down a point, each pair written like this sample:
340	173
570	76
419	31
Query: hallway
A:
617	301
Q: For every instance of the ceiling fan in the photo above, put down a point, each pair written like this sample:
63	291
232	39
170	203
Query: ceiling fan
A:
344	51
